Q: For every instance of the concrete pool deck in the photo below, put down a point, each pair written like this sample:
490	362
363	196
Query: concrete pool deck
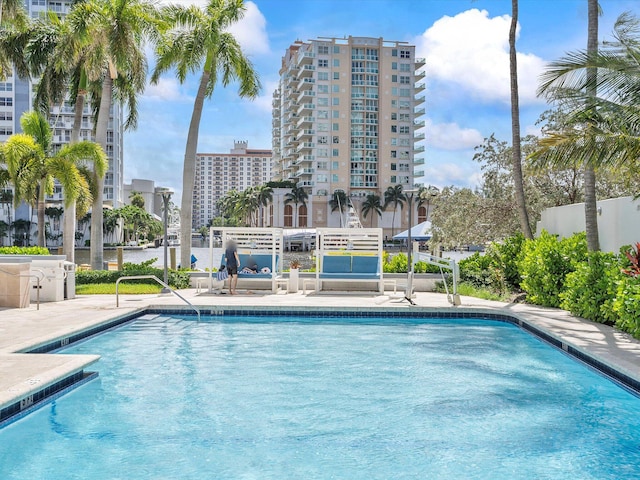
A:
24	330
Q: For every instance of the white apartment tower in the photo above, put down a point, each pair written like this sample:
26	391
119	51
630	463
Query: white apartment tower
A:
16	97
345	117
219	173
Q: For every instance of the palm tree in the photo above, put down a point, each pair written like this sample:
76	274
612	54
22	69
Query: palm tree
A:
297	196
32	166
265	197
395	195
200	41
114	34
372	204
339	201
515	126
602	123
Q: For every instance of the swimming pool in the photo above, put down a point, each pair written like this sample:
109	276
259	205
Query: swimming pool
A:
375	398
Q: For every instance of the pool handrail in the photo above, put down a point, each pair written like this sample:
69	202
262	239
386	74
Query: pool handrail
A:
135	277
31	275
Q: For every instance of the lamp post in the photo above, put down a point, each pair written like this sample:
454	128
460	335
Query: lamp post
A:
409	291
166	196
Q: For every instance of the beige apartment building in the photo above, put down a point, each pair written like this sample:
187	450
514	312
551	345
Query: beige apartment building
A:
219	173
346	117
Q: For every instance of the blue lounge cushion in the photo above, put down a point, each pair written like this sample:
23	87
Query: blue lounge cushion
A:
336	264
364	265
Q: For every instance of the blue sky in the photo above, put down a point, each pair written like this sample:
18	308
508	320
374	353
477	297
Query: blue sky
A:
465	43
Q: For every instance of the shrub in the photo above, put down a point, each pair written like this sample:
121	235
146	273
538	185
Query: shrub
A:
478	270
24	251
590	289
397	264
176	278
505	257
545	263
627	305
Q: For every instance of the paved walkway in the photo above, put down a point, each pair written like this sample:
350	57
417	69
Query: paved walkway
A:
25	329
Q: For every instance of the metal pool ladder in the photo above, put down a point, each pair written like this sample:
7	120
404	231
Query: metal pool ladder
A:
133	277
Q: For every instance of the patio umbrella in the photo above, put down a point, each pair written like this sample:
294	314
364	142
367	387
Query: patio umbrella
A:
419	233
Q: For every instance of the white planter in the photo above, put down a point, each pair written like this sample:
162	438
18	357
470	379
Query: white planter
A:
293	280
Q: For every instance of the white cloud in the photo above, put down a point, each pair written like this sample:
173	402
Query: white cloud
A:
263	102
450	136
444	174
471	51
251	31
167	89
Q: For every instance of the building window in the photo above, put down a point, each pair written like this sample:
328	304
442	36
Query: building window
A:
323	76
394	128
336	139
394	153
394	52
302	216
336	75
334	178
394	78
335	114
394	167
405	53
288	216
323	88
323	49
405	67
335	101
335	88
323	63
405	80
335	127
336	62
336	49
323	102
394	65
6	101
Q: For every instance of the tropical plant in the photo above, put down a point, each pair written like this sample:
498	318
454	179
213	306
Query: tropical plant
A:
265	197
372	205
298	196
394	195
339	201
114	33
32	165
515	125
199	40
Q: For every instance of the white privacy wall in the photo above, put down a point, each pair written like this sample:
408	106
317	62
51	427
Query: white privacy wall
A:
618	222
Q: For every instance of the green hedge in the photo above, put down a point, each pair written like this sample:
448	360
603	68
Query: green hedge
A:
545	263
627	305
177	278
24	251
590	289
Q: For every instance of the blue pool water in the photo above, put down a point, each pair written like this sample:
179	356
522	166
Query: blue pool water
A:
255	398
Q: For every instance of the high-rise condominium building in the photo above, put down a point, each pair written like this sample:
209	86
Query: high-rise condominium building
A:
345	117
16	97
219	173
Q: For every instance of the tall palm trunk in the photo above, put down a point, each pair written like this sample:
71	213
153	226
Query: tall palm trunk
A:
189	173
41	208
69	220
97	216
515	126
590	206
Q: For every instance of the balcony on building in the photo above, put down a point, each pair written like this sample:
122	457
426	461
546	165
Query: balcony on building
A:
306	83
305	109
304	146
418	112
419	75
418	149
305	183
418	161
420	87
418	124
304	172
305	96
418	136
305	133
418	100
419	62
419	173
306	71
305	122
306	58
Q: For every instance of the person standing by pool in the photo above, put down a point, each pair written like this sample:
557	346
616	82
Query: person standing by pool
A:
233	263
